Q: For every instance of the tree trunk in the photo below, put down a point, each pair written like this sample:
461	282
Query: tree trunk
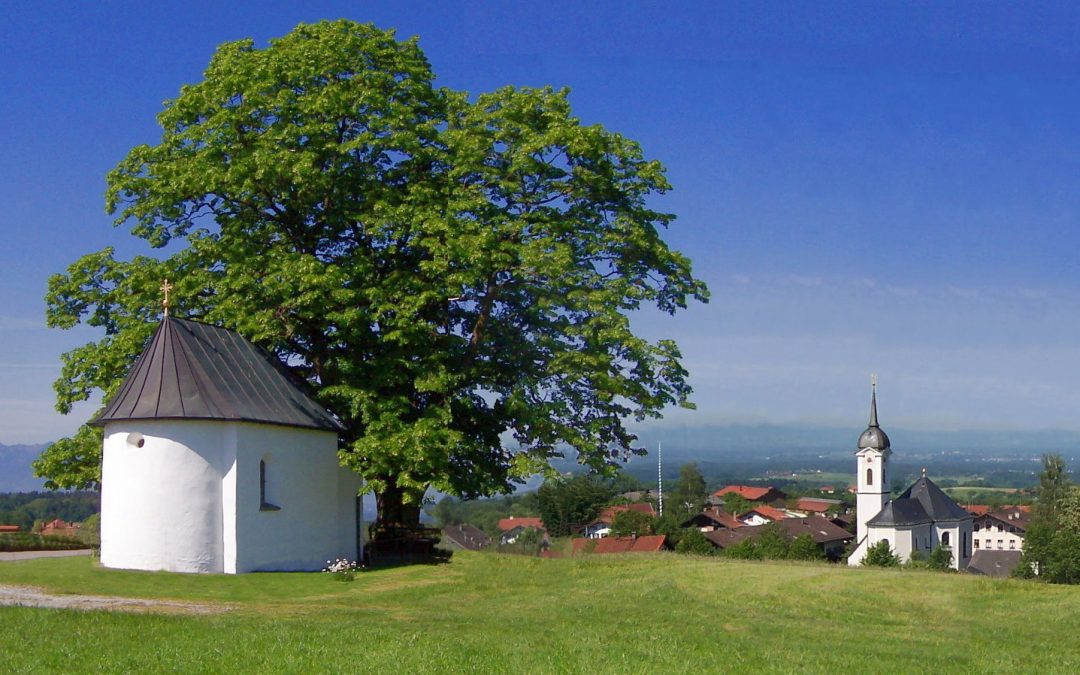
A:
393	511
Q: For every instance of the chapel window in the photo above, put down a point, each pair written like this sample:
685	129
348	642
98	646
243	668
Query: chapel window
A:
944	538
264	505
869	476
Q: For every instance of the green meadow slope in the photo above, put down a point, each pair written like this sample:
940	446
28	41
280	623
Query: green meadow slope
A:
492	613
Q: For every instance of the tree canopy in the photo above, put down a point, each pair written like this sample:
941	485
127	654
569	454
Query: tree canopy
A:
445	272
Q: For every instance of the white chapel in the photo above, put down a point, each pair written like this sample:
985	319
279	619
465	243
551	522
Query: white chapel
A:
918	521
214	461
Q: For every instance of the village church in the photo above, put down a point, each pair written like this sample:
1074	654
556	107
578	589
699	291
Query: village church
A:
918	521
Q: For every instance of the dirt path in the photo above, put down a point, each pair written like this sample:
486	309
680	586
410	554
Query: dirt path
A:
26	596
30	555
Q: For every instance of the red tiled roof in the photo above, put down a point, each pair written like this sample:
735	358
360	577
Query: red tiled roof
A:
646	544
768	512
506	524
977	509
815	505
608	514
9	528
746	491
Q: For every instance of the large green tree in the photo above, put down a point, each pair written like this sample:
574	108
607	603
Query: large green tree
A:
448	273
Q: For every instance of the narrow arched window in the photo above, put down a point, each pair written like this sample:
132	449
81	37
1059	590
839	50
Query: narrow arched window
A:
869	476
264	505
944	538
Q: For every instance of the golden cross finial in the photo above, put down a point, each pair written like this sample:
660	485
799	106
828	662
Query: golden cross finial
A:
165	288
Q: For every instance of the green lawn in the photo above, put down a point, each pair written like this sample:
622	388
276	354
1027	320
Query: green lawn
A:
491	613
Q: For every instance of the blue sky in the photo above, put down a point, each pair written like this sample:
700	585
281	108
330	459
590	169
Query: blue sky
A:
865	186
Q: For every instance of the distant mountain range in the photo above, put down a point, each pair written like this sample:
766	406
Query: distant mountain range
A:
15	472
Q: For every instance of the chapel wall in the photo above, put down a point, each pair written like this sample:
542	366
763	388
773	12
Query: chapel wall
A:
314	497
161	499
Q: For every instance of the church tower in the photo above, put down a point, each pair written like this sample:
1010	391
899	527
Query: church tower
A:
872	476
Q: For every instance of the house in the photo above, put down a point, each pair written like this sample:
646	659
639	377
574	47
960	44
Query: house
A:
832	540
713	519
1001	530
9	528
827	489
762	515
920	520
644	544
214	460
59	528
601	527
760	495
465	537
999	564
977	509
511	528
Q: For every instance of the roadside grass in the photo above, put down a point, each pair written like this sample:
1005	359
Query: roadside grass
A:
498	613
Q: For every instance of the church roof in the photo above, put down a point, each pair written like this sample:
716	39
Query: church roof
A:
192	370
900	512
938	505
921	503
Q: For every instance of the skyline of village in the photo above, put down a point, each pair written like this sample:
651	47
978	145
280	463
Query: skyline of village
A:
890	192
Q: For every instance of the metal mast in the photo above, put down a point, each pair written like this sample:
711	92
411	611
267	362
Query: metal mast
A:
660	474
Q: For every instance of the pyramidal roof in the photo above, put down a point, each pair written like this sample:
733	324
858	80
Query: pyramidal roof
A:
938	505
192	370
923	502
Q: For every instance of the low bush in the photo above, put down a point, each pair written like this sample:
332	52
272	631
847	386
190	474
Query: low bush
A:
27	541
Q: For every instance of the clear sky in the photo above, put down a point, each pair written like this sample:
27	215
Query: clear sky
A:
864	186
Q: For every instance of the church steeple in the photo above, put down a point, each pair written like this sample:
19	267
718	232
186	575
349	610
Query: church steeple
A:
872	468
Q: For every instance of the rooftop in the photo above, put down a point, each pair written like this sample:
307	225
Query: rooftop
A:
192	370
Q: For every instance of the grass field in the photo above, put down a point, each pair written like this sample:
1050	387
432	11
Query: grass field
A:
492	613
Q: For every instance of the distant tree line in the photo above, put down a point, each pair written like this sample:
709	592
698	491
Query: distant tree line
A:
26	509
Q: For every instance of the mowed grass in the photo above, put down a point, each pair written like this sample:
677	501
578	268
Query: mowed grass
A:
495	613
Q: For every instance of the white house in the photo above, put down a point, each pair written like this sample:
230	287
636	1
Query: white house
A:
214	461
918	521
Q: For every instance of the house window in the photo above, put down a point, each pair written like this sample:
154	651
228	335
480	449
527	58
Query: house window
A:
944	538
1001	544
869	476
264	505
1012	544
976	528
976	544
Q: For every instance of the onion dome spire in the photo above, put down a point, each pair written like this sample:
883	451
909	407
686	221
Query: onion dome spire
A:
874	437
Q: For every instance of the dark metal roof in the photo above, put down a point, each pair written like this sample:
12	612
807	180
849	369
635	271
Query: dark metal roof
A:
994	563
923	502
901	512
192	370
939	506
